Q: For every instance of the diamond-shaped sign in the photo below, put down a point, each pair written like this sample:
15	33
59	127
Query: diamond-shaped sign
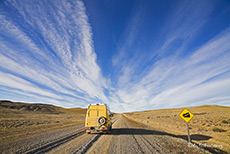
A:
186	115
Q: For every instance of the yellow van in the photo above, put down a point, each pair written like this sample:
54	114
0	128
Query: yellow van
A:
98	118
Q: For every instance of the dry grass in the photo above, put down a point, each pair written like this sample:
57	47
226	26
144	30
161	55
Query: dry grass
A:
209	127
20	119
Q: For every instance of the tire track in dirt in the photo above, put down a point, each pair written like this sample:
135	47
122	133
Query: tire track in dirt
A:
37	142
81	144
143	143
49	146
150	143
114	143
85	147
135	139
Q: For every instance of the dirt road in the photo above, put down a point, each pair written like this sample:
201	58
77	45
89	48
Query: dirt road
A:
126	137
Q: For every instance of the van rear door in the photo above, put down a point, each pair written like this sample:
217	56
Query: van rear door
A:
92	117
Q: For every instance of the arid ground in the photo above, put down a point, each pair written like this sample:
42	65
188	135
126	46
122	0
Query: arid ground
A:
210	126
40	128
22	119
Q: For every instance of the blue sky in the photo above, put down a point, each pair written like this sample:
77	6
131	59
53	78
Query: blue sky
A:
132	55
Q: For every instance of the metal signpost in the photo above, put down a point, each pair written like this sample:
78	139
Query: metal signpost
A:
187	116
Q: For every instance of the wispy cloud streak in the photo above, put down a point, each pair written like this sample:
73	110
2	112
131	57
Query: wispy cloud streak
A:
50	51
202	77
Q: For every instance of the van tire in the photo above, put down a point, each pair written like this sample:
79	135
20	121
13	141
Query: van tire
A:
101	120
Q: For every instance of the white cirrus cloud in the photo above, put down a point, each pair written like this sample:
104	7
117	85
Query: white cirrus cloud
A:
201	77
50	51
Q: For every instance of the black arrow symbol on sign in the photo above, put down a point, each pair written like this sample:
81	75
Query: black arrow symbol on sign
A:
186	115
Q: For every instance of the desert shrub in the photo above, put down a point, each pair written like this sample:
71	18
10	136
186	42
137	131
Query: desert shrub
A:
226	121
218	130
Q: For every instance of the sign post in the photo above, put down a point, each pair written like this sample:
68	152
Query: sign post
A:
187	116
189	140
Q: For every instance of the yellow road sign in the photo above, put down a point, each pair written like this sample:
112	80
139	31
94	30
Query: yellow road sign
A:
186	115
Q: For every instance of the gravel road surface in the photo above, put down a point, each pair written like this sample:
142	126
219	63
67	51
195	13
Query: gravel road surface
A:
126	137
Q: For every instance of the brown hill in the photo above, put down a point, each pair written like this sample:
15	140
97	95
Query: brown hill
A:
42	108
38	108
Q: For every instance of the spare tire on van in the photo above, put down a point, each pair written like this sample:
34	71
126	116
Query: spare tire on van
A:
101	120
